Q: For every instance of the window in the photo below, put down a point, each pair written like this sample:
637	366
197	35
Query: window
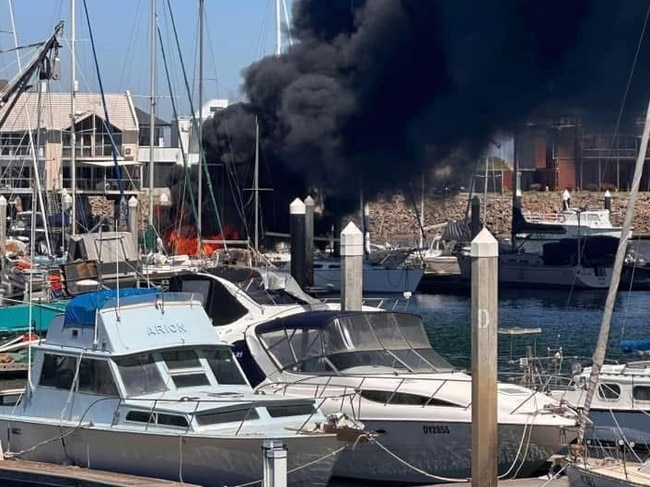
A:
95	377
181	359
140	374
58	371
190	380
291	410
641	393
157	418
224	367
388	397
234	415
609	391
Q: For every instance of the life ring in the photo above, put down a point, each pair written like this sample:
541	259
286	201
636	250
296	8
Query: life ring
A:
561	218
23	263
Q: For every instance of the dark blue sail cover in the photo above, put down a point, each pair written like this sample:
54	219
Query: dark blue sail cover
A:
639	345
80	312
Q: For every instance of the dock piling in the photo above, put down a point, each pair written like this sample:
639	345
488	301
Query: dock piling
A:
475	222
275	464
297	212
566	200
352	268
309	241
608	201
133	219
485	263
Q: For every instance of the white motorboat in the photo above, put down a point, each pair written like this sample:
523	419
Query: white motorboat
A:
379	367
619	408
136	381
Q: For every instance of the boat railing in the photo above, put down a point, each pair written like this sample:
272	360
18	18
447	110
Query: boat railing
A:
123	403
386	303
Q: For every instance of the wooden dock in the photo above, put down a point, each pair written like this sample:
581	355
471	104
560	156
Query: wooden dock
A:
36	473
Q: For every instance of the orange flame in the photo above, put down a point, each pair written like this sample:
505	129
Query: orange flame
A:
186	241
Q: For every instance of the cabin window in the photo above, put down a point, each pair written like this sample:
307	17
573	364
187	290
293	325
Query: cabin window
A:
219	417
609	391
58	371
190	380
95	377
291	410
161	419
641	393
224	367
10	399
181	359
401	398
140	374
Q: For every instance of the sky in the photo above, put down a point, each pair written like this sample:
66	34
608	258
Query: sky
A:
237	33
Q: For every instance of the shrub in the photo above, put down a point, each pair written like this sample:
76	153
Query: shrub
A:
535	187
608	187
590	187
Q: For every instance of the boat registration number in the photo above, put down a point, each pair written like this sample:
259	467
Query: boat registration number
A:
430	429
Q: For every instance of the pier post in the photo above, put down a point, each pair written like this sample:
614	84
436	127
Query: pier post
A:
566	200
3	226
133	219
485	264
297	229
351	268
608	201
518	199
309	241
475	222
275	464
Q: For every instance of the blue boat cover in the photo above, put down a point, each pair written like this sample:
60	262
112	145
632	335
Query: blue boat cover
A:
81	310
640	345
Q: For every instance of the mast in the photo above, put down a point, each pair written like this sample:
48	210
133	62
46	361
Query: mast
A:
256	186
73	133
422	235
278	29
603	336
152	108
199	135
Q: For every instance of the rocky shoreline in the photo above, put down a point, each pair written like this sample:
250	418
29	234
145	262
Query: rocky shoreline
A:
394	219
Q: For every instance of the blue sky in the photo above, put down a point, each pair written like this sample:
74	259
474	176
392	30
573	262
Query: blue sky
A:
238	32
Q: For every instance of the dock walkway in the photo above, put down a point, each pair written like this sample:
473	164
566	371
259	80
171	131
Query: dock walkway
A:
36	473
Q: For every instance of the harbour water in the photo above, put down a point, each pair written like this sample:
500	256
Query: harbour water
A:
567	320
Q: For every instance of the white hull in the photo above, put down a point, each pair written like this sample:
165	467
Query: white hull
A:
523	272
209	461
380	280
444	455
606	476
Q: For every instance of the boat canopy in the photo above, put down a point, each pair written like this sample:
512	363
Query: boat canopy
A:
344	342
81	310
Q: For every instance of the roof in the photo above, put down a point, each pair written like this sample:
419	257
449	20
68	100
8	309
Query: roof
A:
144	119
56	111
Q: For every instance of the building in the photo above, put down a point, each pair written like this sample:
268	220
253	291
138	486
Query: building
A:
575	153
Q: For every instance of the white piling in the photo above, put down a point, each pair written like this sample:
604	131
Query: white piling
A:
275	464
566	200
351	268
608	200
485	264
133	219
309	241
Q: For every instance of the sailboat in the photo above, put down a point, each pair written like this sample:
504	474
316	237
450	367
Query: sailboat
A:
583	472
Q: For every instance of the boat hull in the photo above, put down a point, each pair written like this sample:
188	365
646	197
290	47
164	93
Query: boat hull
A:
443	450
610	426
581	476
376	280
205	460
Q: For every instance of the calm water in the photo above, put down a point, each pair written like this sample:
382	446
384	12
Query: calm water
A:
568	321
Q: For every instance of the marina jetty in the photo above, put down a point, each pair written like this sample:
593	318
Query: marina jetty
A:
393	218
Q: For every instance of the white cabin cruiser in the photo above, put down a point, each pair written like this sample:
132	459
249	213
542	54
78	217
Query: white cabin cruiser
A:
619	408
136	381
379	368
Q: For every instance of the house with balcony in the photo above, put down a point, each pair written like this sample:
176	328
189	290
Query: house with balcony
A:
38	129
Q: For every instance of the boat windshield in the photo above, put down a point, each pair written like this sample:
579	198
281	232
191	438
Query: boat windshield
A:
372	341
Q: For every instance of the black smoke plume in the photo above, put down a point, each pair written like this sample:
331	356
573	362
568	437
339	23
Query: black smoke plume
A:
374	92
